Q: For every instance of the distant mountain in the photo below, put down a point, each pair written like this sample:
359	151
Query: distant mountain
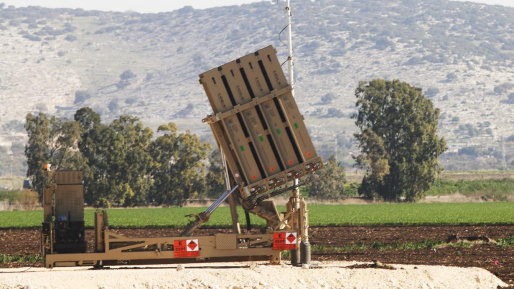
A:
460	53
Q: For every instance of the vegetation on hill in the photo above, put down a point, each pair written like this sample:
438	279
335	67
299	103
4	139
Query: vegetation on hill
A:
146	65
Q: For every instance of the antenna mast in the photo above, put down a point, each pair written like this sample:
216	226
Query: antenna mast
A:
290	45
290	63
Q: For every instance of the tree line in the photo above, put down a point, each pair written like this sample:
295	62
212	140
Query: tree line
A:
125	165
122	162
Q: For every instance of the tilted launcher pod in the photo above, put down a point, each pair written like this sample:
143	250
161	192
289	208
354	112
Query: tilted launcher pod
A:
258	125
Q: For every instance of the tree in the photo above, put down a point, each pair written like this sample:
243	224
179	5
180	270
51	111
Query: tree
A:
179	171
93	155
128	161
398	140
331	187
51	140
215	179
115	159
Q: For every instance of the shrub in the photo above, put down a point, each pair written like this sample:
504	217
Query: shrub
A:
451	76
32	37
503	88
27	200
114	105
432	91
127	74
511	98
328	98
81	96
70	38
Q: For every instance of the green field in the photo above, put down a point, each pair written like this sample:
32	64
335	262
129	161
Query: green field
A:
319	215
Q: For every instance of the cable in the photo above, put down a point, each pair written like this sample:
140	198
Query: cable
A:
280	33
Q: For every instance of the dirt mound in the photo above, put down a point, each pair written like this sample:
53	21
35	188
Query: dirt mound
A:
257	276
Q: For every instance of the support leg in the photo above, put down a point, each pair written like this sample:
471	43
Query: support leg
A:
305	246
293	207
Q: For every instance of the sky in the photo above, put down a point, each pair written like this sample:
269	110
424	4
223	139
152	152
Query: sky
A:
154	6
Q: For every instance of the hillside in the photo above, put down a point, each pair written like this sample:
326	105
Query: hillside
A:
460	53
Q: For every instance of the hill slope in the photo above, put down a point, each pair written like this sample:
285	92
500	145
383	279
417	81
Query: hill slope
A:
461	54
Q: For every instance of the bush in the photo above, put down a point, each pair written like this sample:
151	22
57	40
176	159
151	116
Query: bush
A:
503	88
70	38
27	200
414	61
14	23
451	76
432	91
127	74
81	96
511	98
32	37
328	98
114	105
470	151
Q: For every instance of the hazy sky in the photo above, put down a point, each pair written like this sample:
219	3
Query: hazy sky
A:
145	6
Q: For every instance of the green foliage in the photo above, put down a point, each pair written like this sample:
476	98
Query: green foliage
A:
121	163
51	140
4	258
506	242
331	186
397	139
215	179
10	196
179	171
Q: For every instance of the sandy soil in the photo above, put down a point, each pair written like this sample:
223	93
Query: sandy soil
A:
254	276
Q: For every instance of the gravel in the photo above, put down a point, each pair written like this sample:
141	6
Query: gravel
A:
256	276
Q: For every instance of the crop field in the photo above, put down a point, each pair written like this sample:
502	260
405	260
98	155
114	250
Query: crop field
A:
320	215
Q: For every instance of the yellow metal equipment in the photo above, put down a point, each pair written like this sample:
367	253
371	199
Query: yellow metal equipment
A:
265	143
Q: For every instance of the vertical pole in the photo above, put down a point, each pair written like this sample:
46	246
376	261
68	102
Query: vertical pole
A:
295	196
290	62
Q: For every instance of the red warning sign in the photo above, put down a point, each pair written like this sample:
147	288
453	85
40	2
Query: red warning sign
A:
186	248
285	241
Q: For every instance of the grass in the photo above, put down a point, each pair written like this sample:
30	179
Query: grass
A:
319	215
20	259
